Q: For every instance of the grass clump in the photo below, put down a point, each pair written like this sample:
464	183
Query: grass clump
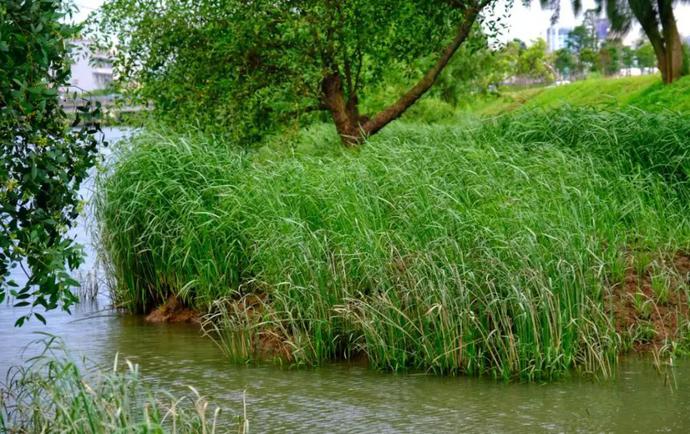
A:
54	393
488	249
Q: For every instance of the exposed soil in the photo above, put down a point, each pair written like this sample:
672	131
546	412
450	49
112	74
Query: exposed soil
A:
652	313
173	310
271	344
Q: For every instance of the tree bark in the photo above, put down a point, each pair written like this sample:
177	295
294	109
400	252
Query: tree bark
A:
673	47
348	122
667	44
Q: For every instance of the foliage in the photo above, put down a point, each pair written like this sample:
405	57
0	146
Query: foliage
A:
610	57
248	68
476	69
645	55
564	61
460	249
628	57
533	62
43	162
580	38
55	393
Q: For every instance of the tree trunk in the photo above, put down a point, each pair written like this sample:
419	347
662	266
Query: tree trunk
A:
395	110
354	128
667	44
673	47
345	115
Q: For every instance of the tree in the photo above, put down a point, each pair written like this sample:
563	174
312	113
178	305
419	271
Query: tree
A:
589	59
256	64
43	161
645	56
564	61
658	21
628	58
583	42
610	58
477	68
659	24
533	62
580	38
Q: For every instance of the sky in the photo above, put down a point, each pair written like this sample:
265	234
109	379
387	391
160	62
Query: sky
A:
526	22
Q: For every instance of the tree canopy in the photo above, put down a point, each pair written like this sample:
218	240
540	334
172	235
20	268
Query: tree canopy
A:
43	161
249	66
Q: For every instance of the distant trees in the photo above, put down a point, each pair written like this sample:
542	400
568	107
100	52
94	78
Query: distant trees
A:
610	56
605	56
564	61
477	68
253	65
658	22
533	62
628	58
646	58
584	44
581	38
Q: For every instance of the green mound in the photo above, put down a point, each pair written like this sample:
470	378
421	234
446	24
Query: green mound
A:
646	93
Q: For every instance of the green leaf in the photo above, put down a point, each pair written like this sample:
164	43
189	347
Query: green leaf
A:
40	317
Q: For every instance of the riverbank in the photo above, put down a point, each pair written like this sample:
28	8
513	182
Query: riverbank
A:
495	248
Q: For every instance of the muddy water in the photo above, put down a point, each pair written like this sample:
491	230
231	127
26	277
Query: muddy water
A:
345	398
342	398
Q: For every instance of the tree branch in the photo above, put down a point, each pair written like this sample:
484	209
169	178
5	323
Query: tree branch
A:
394	111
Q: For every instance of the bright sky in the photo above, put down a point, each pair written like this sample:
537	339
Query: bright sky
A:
529	23
526	23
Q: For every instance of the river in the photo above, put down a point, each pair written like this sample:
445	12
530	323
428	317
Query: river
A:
352	398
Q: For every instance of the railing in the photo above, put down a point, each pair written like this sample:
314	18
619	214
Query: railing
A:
111	103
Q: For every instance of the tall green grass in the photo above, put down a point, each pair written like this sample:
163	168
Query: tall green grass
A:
478	249
54	393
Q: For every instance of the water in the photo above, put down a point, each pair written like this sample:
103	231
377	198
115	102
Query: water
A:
351	398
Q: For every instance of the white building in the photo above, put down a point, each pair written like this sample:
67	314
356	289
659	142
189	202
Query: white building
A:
557	38
90	70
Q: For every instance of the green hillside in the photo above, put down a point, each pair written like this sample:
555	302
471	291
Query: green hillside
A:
647	93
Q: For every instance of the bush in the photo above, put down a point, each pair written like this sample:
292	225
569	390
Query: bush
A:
484	249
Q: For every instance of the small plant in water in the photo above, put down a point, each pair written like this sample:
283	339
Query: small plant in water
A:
54	393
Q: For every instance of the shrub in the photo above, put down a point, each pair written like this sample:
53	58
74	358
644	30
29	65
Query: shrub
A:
483	249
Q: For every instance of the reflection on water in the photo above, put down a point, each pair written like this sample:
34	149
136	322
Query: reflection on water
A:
343	398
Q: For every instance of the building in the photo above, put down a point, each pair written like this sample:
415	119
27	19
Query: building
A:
90	70
602	27
557	38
